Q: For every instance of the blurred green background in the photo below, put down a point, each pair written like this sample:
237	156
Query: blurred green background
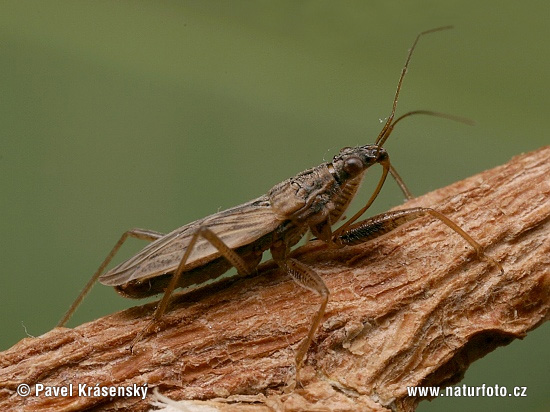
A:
153	114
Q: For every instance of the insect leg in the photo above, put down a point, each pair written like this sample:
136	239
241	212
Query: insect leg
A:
386	222
309	279
401	183
142	234
232	256
386	166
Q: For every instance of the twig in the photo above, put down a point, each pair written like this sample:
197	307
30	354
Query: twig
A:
413	308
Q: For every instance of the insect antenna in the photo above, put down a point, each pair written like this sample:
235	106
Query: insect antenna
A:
392	170
385	133
448	116
388	126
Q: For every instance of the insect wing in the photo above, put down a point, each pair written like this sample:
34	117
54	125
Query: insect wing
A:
237	227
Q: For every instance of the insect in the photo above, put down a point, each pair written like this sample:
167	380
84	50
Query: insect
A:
313	201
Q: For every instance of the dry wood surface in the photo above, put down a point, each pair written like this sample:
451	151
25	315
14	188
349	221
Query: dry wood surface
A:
415	307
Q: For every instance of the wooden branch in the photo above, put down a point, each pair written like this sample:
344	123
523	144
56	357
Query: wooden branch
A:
413	308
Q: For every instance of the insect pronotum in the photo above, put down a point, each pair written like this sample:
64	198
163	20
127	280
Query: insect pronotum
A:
313	200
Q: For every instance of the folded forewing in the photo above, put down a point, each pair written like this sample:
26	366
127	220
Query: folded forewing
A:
237	227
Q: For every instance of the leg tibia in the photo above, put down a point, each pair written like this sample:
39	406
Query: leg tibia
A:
309	279
143	234
379	225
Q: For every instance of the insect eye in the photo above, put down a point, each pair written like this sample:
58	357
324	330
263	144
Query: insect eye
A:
353	166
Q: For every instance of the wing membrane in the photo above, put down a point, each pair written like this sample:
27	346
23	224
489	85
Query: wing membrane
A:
237	227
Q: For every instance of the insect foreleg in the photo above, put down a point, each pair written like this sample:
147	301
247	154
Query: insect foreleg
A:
232	256
401	183
379	225
143	234
386	167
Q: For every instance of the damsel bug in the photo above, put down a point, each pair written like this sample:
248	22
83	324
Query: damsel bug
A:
313	200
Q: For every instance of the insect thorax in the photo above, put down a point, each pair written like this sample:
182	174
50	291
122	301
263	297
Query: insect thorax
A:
305	198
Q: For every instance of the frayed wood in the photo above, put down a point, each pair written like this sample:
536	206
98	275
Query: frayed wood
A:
415	307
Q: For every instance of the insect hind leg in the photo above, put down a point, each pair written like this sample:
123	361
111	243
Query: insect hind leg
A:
233	257
143	234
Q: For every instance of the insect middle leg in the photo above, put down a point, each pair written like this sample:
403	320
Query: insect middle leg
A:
308	279
143	234
358	233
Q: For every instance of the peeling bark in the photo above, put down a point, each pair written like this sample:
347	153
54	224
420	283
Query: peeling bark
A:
415	307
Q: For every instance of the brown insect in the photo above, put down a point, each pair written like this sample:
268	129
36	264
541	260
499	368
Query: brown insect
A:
313	200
